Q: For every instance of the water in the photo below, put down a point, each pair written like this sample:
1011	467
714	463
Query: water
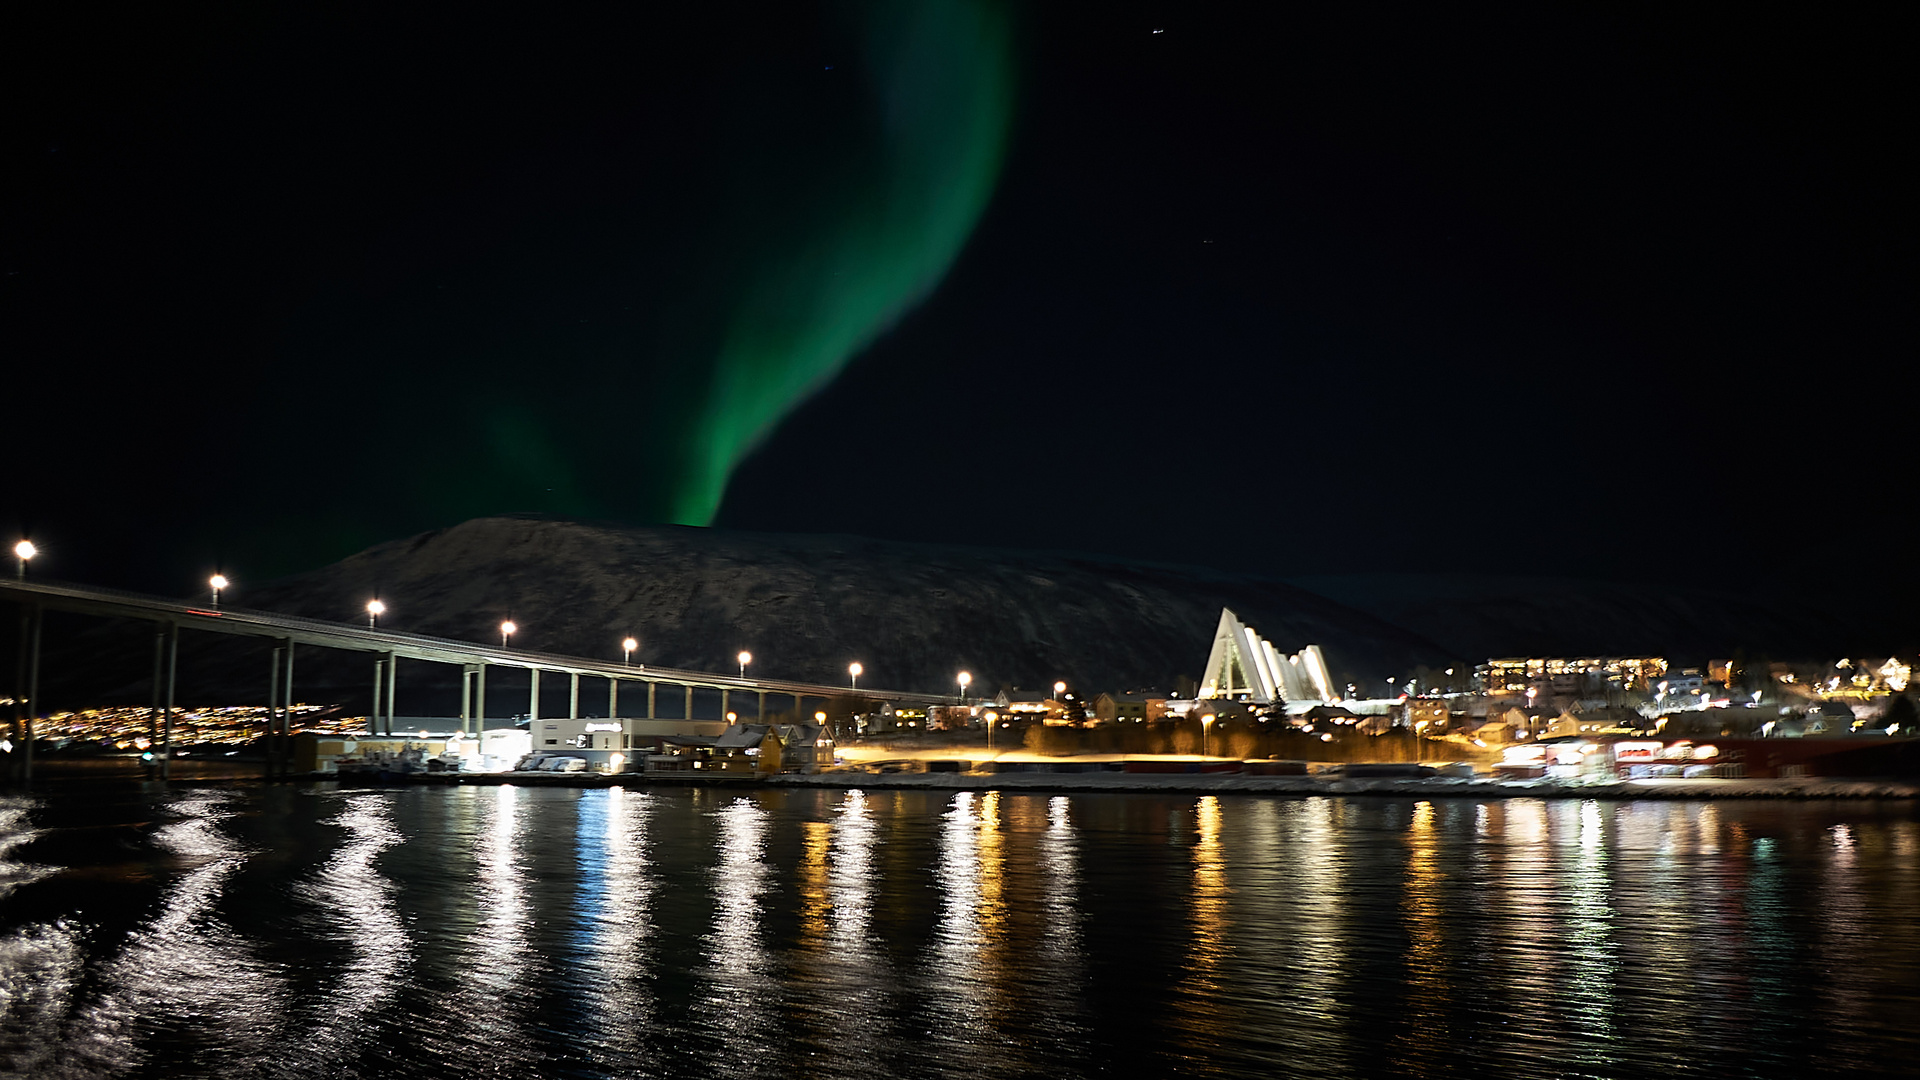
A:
252	931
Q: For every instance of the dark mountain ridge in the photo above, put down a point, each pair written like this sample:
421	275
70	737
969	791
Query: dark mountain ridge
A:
805	606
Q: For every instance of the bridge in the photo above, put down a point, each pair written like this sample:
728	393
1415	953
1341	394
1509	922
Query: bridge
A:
289	632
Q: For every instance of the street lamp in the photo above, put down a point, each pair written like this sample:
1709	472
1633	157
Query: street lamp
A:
853	674
23	551
627	647
745	658
965	679
218	582
375	609
507	630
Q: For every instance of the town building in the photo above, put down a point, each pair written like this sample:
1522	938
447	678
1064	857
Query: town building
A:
1569	675
1130	707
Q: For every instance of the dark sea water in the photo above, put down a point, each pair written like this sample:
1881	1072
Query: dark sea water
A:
253	931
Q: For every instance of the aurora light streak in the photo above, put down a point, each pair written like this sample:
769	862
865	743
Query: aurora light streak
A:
940	82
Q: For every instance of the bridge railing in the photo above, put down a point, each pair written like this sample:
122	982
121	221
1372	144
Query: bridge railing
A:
370	638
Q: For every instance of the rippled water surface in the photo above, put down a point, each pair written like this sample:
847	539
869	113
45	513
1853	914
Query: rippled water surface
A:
254	931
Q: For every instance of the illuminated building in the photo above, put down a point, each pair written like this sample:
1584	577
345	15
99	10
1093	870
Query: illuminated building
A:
1564	675
1243	666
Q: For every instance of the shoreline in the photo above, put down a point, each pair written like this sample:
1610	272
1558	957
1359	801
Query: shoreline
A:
1804	788
1063	783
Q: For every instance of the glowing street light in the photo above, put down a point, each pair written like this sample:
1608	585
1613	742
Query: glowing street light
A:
217	582
375	609
23	551
627	647
507	630
965	679
745	658
1059	688
853	674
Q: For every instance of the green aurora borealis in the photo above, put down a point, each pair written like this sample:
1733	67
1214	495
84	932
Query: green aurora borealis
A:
861	253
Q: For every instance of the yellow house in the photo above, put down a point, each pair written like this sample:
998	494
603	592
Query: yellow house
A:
748	749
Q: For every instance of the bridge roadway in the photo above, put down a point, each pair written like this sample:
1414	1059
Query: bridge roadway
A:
172	616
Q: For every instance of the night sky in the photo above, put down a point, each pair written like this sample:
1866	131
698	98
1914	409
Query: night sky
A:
1325	289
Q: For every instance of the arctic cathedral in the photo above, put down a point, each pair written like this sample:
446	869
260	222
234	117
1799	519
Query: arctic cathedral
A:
1244	666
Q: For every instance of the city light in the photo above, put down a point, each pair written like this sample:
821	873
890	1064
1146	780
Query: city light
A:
23	551
217	582
965	679
507	630
745	658
375	609
627	648
853	674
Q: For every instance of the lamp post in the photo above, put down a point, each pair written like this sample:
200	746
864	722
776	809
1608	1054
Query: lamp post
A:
853	674
965	679
627	648
23	551
507	630
745	658
375	609
217	582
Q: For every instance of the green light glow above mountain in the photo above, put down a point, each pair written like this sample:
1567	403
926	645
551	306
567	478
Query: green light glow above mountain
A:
939	82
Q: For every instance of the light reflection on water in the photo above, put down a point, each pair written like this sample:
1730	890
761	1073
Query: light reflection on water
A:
186	970
960	1010
615	909
738	989
354	904
1205	1015
542	932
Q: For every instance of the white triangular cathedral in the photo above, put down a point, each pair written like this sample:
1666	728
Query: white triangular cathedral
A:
1245	666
